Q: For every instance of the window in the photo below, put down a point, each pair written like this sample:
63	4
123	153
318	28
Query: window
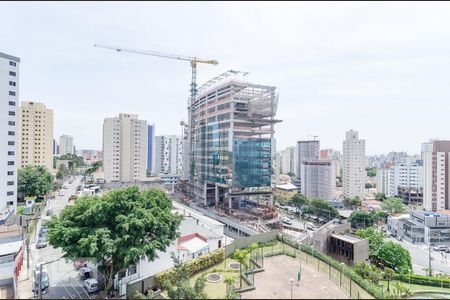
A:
12	123
10	183
11	133
12	103
10	193
10	152
12	83
12	73
11	143
10	163
11	113
11	63
11	93
10	173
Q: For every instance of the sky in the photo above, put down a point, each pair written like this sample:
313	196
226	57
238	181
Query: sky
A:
381	68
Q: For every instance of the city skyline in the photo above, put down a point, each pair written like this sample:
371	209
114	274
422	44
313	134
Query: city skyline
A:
337	67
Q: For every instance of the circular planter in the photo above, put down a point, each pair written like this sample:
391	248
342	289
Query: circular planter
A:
214	277
234	266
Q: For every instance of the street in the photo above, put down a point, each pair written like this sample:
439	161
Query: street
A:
64	281
419	257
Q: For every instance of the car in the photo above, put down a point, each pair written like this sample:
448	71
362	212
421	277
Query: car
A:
41	242
287	221
49	212
85	273
440	248
79	264
91	285
36	278
61	192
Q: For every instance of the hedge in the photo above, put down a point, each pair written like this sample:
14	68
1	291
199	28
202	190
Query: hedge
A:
194	266
375	291
423	280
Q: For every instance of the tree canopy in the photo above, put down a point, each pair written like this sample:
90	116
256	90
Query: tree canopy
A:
94	167
115	229
376	239
371	172
355	201
393	205
361	219
395	256
299	200
322	208
34	181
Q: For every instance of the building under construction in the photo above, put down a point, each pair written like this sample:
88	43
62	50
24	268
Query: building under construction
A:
230	134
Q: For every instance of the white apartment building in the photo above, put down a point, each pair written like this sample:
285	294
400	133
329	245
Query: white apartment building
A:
354	164
436	179
168	154
124	148
288	160
405	175
383	181
36	135
66	144
9	102
319	179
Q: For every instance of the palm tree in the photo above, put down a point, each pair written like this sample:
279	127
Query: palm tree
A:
399	287
229	281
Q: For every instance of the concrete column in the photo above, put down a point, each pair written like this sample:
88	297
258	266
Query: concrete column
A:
217	195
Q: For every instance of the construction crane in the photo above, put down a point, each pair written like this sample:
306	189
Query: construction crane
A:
314	136
193	61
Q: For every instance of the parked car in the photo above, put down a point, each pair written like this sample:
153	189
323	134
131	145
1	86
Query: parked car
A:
440	248
41	242
49	212
37	279
79	264
287	221
85	273
91	285
61	192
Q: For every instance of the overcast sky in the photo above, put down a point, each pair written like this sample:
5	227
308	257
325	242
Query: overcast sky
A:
380	68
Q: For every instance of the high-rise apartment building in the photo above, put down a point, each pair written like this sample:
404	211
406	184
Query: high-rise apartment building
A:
354	165
305	150
319	179
36	135
150	147
66	144
125	148
168	157
383	181
436	184
288	160
9	102
230	134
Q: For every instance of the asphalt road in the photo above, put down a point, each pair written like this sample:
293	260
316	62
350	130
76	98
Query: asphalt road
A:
419	257
64	280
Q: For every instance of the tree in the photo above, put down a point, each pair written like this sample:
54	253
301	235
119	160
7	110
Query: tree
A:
282	200
380	196
323	208
380	215
299	200
395	256
34	181
291	174
368	271
368	186
361	219
95	166
229	281
389	275
371	172
62	172
149	295
116	229
353	202
376	239
393	205
180	287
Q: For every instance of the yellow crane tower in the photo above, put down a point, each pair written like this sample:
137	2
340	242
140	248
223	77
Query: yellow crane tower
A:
193	61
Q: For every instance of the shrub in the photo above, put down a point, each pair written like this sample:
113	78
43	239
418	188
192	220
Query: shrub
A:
423	280
193	266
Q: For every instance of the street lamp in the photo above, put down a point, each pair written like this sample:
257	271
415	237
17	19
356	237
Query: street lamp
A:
300	260
292	286
342	271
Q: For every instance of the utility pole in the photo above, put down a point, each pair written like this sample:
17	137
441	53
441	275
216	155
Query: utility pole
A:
40	281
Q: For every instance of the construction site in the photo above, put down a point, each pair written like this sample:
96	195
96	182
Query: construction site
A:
230	135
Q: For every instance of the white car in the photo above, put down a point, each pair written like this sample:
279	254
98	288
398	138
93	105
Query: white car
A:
91	285
61	192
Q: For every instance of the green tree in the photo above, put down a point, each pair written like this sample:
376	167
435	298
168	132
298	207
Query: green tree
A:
352	202
180	287
361	219
115	229
95	166
395	256
375	238
323	208
380	196
34	181
229	281
282	200
389	275
371	172
299	200
62	172
393	205
368	185
380	216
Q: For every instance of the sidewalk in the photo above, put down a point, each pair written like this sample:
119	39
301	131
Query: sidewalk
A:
24	282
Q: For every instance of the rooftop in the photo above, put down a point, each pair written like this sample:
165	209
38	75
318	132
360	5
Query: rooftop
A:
348	238
10	248
288	186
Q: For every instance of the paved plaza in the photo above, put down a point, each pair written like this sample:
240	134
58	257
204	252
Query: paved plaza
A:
274	282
